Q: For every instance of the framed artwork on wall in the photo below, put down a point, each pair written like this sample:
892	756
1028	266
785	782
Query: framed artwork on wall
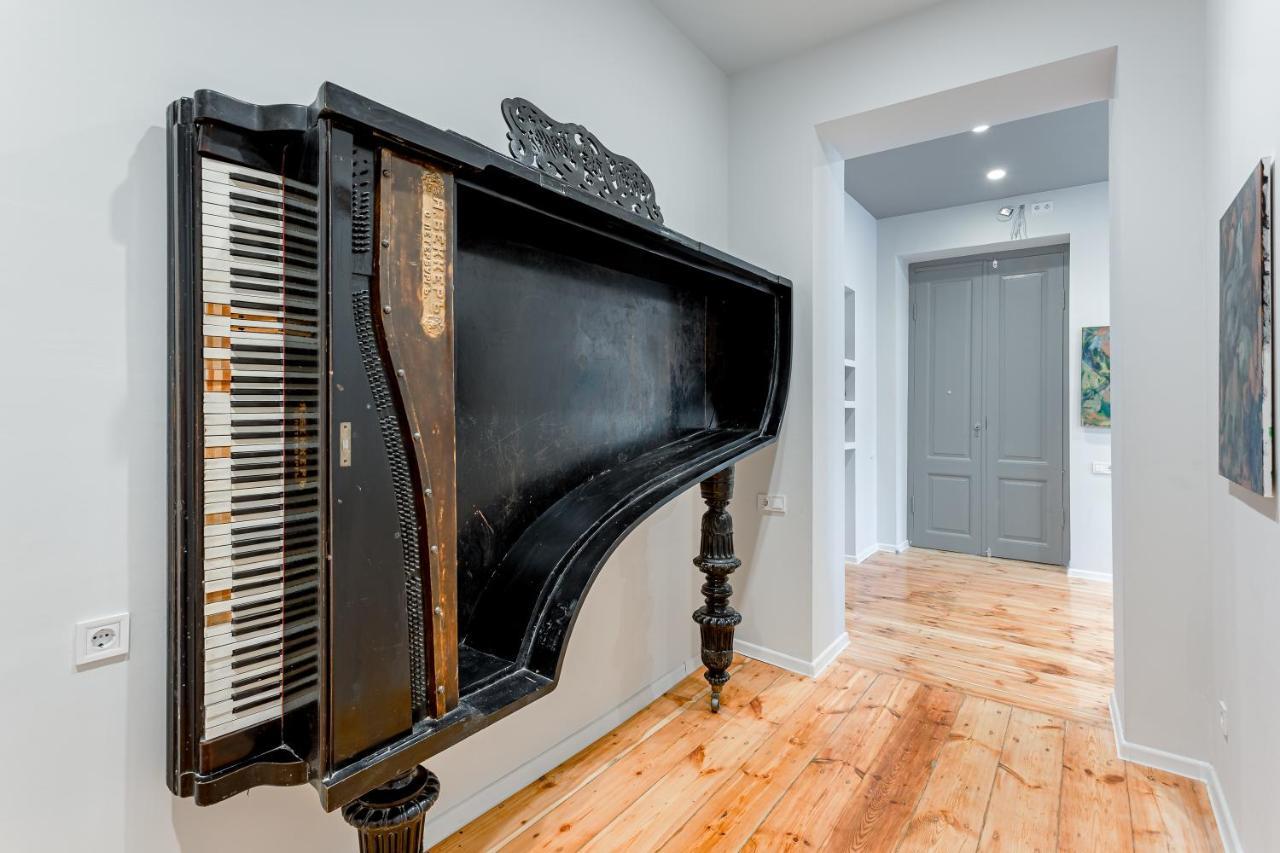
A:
1245	422
1095	376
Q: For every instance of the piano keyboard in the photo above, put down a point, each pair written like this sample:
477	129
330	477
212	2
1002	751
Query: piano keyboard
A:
261	410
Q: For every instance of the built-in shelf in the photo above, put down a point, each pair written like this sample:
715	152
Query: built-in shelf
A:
849	404
848	362
849	287
850	445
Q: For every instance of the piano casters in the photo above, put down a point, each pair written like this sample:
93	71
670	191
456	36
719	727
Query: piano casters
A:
716	618
390	818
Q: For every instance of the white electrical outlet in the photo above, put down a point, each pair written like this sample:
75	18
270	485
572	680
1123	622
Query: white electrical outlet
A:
1102	468
1040	208
774	504
1222	719
106	638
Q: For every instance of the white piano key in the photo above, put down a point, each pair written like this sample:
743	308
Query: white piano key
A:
216	728
211	164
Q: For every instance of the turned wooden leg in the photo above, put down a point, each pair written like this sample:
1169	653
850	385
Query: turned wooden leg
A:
716	618
390	818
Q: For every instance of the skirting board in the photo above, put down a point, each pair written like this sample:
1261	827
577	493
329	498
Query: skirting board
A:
864	554
1089	575
1192	768
812	668
440	826
886	548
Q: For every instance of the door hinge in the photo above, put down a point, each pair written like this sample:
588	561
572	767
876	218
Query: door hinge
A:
912	505
995	265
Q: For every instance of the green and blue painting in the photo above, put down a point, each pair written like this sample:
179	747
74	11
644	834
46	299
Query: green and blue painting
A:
1095	376
1244	340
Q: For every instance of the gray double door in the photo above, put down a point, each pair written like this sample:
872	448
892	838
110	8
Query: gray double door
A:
986	453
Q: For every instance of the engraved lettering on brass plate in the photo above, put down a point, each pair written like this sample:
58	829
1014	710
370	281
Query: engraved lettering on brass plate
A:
435	273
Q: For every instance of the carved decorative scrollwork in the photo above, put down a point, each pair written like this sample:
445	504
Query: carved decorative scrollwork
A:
716	619
576	156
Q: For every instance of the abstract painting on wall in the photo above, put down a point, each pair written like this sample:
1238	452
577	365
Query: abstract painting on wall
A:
1095	376
1244	338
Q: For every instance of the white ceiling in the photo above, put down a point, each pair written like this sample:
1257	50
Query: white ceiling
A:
739	34
1065	148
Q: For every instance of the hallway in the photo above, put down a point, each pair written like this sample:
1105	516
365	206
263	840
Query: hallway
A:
968	713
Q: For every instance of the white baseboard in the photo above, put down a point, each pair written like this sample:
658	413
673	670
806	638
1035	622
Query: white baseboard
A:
439	826
1089	575
887	548
1192	768
864	554
812	668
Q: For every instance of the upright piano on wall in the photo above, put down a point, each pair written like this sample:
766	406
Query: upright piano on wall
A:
419	393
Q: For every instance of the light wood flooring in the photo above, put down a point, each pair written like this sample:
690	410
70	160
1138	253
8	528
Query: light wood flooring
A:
968	713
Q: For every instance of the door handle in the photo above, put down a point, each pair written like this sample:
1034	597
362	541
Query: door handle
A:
977	428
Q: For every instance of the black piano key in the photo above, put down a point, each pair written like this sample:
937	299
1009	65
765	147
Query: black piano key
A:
288	525
275	185
273	569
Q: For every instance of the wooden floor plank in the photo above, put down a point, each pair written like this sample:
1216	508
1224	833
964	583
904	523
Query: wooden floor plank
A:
1016	656
578	819
882	805
660	811
949	815
1094	813
731	815
1023	813
1167	813
516	811
805	815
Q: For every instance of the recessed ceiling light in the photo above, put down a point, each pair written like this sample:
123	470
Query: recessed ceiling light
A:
996	174
982	128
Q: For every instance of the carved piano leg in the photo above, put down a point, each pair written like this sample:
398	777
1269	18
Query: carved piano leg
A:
390	818
717	561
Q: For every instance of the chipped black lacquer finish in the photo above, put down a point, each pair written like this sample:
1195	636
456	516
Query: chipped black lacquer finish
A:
601	365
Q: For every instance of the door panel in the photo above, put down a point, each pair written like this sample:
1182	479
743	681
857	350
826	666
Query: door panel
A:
945	376
987	391
1024	342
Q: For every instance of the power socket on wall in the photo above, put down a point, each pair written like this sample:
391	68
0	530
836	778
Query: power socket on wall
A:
772	504
102	639
1040	208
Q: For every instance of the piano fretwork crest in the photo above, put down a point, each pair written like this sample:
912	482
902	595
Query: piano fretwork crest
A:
417	397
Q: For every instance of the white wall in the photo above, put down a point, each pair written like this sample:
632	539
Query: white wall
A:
860	246
1080	215
780	180
82	340
1243	126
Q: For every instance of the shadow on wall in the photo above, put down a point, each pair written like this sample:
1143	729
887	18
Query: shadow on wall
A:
268	820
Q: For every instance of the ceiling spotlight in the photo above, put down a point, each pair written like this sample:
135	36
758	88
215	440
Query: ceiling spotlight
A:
982	128
996	174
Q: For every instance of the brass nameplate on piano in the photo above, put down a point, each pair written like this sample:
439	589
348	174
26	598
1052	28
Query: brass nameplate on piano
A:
344	444
435	255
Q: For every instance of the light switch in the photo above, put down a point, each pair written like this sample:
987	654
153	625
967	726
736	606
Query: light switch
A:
1102	468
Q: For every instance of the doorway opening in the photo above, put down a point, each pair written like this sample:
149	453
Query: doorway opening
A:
977	472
